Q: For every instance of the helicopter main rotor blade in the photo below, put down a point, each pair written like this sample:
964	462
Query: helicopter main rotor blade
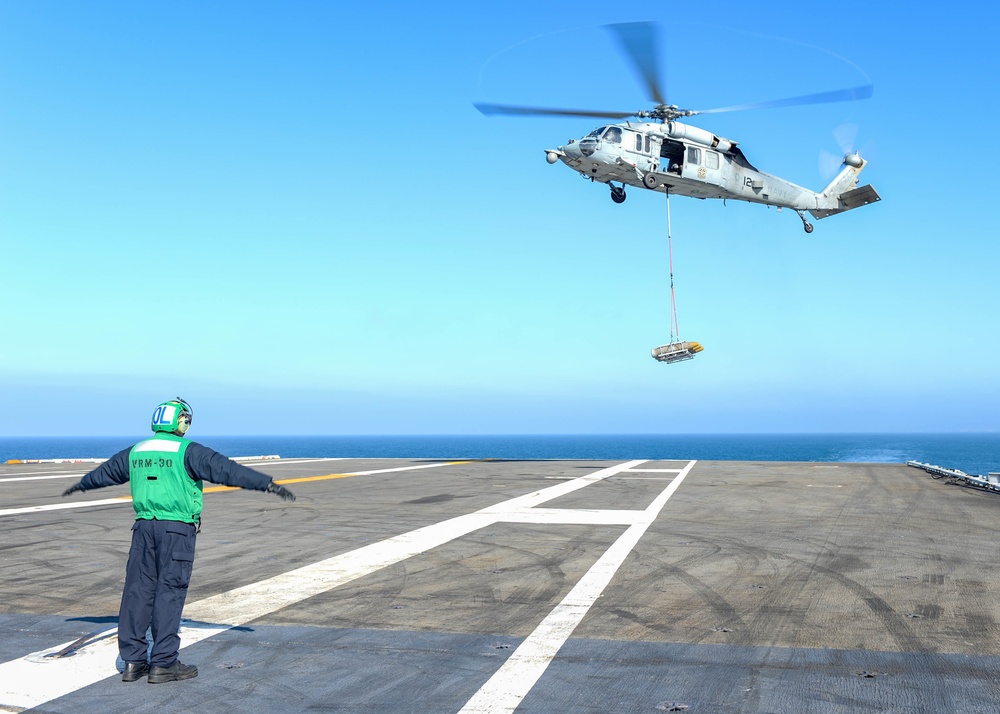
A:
639	40
509	110
839	95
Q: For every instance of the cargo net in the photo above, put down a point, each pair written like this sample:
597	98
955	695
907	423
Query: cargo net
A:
677	350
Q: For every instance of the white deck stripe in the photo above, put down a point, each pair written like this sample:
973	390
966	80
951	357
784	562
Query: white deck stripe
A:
44	473
33	680
407	468
281	462
38	478
243	463
63	506
511	683
22	476
574	516
644	478
128	499
240	459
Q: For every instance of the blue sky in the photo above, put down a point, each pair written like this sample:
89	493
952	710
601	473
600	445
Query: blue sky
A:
291	215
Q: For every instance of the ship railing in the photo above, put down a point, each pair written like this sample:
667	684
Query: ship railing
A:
990	482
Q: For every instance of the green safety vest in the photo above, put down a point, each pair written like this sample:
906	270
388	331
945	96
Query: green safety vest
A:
161	487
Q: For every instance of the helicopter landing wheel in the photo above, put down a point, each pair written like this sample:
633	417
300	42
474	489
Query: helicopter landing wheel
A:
618	194
806	225
650	181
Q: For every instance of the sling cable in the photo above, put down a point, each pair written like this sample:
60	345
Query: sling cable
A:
677	350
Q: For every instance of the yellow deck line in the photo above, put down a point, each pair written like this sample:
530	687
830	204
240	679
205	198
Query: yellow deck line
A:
216	489
304	479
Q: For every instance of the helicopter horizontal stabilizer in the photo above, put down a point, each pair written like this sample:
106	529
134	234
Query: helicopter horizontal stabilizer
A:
855	198
861	196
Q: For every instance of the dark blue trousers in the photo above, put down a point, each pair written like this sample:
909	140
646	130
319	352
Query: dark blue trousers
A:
156	585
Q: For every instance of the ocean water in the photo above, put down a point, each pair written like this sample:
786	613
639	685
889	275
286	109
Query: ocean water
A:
971	453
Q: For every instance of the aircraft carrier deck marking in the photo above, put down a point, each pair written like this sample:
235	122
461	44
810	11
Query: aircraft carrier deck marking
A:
655	471
35	679
519	673
63	506
39	478
213	489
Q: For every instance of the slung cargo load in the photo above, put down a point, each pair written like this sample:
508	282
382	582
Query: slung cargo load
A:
676	351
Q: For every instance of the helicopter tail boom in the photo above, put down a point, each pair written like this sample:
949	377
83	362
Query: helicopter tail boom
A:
843	194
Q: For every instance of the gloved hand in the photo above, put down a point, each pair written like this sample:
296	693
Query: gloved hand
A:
280	491
73	489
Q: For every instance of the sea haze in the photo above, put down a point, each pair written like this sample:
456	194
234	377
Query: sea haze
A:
971	453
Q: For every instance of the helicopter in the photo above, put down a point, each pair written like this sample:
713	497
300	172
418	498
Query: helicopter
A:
671	157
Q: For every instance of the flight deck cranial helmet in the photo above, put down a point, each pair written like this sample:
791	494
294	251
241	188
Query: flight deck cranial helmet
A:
173	417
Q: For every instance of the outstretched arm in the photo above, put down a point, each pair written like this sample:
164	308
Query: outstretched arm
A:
208	464
111	472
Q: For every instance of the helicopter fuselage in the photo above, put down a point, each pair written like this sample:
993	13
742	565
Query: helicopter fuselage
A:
689	161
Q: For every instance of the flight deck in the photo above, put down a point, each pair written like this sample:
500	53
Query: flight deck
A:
432	586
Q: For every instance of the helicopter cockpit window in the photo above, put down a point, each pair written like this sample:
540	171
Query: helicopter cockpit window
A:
613	134
597	132
694	156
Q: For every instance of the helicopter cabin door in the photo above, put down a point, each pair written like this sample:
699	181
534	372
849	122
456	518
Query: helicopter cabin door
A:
639	150
702	164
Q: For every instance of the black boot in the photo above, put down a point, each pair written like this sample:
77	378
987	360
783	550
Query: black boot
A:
134	671
172	673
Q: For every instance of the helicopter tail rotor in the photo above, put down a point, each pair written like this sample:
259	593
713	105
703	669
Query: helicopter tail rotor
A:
846	136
